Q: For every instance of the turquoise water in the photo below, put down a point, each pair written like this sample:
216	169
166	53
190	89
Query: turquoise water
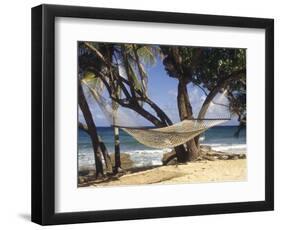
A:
219	138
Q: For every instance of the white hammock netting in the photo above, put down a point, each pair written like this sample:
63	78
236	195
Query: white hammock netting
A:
165	137
173	135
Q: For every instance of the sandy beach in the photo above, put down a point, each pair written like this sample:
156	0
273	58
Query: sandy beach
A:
194	172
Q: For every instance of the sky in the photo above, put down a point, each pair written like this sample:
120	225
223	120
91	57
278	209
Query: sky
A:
162	89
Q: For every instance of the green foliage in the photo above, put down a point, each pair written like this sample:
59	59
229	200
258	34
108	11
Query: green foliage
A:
95	83
218	63
135	78
207	68
128	60
202	65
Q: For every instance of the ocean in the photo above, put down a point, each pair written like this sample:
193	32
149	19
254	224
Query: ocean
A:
220	138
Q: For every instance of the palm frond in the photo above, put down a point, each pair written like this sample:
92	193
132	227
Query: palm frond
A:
135	78
94	82
146	55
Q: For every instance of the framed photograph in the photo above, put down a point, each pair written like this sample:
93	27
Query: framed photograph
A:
142	114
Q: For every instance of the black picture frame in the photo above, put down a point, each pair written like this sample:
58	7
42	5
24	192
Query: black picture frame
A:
43	114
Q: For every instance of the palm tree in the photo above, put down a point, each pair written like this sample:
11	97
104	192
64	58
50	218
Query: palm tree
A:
92	130
132	59
117	163
95	86
139	56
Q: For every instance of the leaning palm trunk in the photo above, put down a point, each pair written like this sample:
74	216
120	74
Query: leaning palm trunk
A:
102	147
91	130
131	91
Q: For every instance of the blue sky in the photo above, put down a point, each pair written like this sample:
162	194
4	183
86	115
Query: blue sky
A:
162	89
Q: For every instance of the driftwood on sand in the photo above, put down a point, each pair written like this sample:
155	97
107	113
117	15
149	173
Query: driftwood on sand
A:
206	153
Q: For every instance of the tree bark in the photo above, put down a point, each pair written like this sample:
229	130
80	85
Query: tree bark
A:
160	113
102	146
185	112
117	163
117	157
132	101
184	106
220	85
147	115
206	104
106	156
91	130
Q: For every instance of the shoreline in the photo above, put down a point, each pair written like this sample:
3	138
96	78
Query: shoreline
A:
154	157
211	166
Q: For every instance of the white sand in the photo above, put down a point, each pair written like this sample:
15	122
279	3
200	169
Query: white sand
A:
194	172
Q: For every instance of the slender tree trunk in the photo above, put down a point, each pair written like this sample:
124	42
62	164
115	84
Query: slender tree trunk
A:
117	164
147	115
163	120
117	157
102	147
185	112
92	130
106	156
207	102
160	113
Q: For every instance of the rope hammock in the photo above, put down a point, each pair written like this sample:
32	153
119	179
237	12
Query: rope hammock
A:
173	135
164	137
